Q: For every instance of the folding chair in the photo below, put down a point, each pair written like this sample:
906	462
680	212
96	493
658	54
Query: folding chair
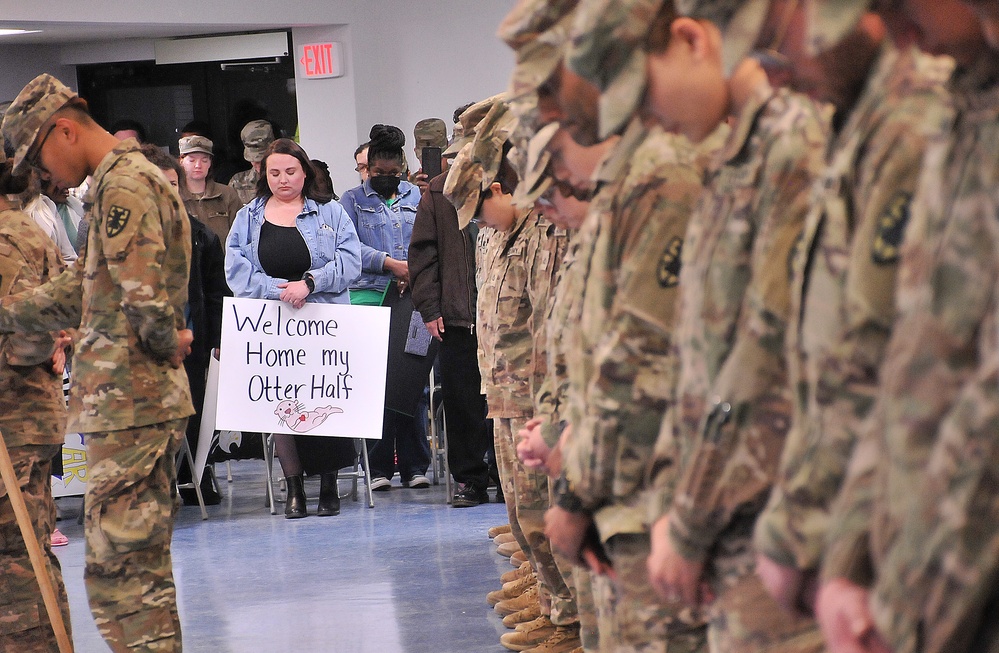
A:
358	471
185	453
438	437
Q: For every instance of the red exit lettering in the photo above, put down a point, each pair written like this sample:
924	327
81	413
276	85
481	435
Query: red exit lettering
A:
317	60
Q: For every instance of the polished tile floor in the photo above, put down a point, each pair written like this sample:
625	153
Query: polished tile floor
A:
408	576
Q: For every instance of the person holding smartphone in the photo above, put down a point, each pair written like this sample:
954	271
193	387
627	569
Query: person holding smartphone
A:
430	136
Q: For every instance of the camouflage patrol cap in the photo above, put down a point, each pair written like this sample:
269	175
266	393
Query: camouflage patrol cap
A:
609	45
31	109
256	135
463	185
430	132
538	30
831	20
536	177
491	134
468	120
192	144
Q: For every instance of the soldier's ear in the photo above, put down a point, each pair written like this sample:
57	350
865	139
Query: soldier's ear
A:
67	130
496	189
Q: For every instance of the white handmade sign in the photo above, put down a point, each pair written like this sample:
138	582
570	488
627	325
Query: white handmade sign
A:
317	370
75	471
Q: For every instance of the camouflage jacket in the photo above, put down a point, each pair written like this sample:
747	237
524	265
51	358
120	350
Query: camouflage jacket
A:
518	268
733	404
843	303
245	185
918	509
563	309
624	367
127	293
32	408
216	208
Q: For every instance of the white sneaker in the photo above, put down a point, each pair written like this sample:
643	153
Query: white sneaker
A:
419	481
380	484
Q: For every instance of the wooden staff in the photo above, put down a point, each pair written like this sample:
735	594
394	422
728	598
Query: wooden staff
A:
38	561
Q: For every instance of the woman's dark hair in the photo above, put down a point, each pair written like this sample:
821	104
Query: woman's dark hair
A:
11	184
386	144
291	148
164	161
323	179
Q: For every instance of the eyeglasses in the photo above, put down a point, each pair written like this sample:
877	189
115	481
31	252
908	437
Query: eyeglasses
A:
34	159
361	168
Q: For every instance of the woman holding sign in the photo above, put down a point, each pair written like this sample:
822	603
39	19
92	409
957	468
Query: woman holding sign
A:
292	243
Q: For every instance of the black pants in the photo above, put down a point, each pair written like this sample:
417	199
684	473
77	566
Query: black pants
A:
468	438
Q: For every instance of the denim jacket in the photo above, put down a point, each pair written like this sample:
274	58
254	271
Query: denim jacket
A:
383	231
332	242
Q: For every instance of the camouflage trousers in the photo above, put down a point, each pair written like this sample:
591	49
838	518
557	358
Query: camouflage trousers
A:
527	500
589	633
24	623
632	617
130	506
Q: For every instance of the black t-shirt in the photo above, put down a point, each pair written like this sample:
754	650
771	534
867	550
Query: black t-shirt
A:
283	252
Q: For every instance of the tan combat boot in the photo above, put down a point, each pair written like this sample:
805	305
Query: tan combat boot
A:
498	530
512	589
515	574
565	639
525	600
529	613
529	635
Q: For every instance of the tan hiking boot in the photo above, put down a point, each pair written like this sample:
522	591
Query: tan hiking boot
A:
503	538
518	558
529	635
498	530
565	639
515	574
508	549
512	590
527	614
527	599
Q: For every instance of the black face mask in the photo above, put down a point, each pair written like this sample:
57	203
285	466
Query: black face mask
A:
385	185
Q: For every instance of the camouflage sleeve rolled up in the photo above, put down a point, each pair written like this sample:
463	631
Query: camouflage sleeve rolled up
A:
633	364
847	329
728	468
543	272
134	243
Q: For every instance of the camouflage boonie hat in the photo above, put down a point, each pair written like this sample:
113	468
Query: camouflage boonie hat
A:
830	20
467	121
256	136
30	110
463	185
430	132
536	177
491	134
192	144
538	30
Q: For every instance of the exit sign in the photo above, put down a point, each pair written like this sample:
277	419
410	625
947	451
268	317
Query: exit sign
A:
320	60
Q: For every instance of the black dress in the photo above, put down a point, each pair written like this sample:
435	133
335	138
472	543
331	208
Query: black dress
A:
284	254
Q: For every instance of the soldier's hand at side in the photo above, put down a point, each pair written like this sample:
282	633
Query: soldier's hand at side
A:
436	328
531	447
784	584
672	576
63	342
184	339
566	531
846	622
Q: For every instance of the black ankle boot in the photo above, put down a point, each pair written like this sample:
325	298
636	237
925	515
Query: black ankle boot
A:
294	508
329	495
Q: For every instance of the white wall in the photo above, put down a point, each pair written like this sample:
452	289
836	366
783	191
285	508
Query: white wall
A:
406	60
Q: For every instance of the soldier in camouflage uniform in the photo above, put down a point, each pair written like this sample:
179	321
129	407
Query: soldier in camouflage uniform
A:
843	304
732	398
912	554
130	396
256	136
516	264
33	422
620	363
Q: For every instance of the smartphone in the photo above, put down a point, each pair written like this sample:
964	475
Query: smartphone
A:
430	161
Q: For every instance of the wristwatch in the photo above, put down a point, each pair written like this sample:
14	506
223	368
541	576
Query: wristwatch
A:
565	498
310	283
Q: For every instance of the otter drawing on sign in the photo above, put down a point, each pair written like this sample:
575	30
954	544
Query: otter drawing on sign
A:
302	421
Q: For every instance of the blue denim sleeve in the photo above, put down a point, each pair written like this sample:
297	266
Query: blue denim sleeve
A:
344	265
244	276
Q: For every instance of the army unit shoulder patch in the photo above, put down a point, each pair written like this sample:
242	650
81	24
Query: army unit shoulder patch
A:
116	220
891	229
668	270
